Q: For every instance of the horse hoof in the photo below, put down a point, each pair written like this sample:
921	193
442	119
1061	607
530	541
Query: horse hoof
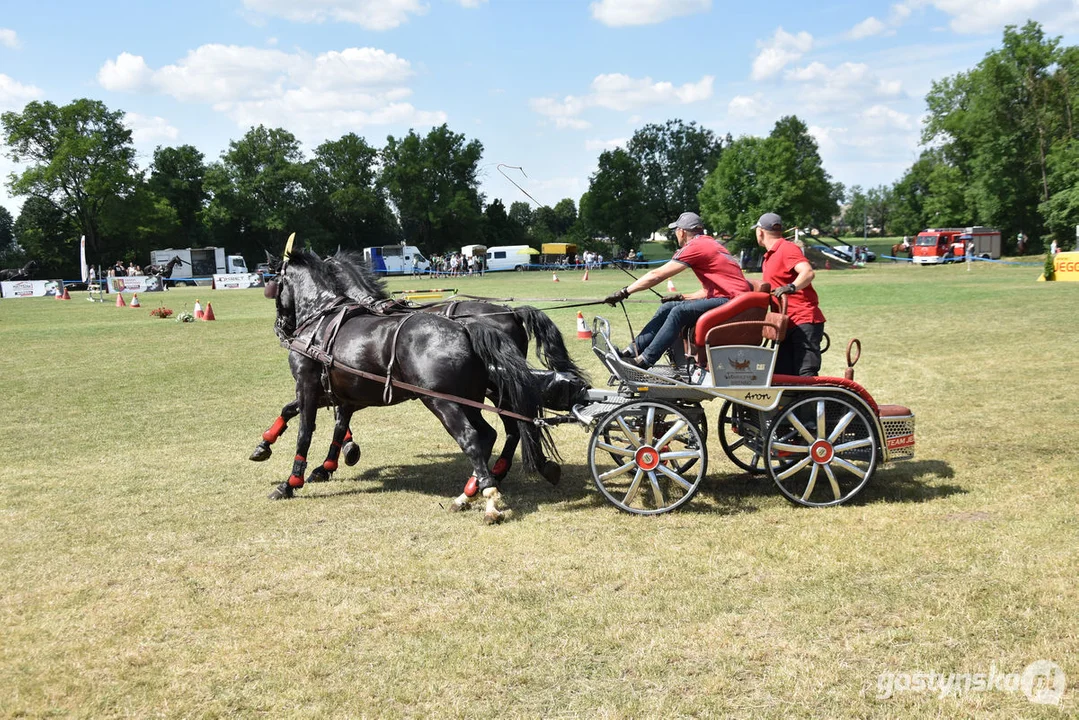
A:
351	451
261	452
281	492
493	518
319	474
459	507
551	472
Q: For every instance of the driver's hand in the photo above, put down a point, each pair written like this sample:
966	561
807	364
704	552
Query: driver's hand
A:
784	290
672	297
616	297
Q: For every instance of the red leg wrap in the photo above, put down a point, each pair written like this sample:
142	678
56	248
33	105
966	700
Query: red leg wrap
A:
501	466
472	487
348	435
329	465
275	430
295	481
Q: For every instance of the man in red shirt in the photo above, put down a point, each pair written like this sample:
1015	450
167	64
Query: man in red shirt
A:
789	273
720	276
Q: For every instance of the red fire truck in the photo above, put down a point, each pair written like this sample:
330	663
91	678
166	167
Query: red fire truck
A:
941	245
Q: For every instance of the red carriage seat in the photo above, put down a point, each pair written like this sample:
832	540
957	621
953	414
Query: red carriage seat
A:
747	319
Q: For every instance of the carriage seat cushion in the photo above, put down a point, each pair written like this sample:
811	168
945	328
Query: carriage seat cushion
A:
821	381
894	411
750	305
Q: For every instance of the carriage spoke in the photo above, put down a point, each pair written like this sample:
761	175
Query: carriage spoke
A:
677	454
795	468
618	470
630	435
840	427
678	427
787	447
634	486
853	444
832	480
614	449
821	434
849	467
657	493
737	444
812	481
649	422
797	425
687	486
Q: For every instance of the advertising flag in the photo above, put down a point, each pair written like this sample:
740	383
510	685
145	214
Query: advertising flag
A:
82	259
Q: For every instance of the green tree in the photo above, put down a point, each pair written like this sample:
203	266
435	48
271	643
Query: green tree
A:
731	199
346	197
177	175
257	191
140	222
521	213
45	233
856	214
910	194
433	183
675	159
565	214
7	231
1061	211
616	200
79	156
792	180
499	228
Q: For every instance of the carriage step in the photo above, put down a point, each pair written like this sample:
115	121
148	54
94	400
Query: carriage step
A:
587	414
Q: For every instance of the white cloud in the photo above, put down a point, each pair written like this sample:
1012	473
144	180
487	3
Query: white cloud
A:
824	87
775	54
867	28
369	14
596	145
14	95
882	116
621	93
989	16
350	88
622	13
749	106
471	3
9	38
146	130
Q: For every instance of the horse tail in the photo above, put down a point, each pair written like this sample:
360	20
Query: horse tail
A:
550	347
515	389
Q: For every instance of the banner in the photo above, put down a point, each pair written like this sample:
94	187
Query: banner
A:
31	288
1066	266
237	282
82	258
135	283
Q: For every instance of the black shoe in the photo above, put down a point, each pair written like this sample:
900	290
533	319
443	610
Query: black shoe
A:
627	354
638	362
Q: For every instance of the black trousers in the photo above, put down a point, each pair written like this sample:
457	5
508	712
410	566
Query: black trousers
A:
799	353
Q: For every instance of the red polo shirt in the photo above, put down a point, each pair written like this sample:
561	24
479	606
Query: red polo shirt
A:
715	268
802	306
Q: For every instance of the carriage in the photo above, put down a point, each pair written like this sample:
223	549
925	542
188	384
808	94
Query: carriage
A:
819	439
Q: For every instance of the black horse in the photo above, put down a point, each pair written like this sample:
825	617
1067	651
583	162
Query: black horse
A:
163	271
26	272
420	350
353	279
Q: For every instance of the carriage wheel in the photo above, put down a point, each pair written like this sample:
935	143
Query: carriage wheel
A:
648	457
741	438
822	451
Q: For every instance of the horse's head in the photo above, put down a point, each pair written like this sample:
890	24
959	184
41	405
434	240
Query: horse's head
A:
30	267
301	290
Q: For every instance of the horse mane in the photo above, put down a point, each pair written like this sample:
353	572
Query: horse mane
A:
353	278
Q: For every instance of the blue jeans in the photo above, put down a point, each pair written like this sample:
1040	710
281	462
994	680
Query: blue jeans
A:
662	330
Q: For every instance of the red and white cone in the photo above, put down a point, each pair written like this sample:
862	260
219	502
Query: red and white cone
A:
198	310
583	333
135	300
556	277
60	294
671	287
585	278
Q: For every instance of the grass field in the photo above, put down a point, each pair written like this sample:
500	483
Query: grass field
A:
146	574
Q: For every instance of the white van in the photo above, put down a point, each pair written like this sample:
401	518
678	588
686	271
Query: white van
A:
396	260
508	257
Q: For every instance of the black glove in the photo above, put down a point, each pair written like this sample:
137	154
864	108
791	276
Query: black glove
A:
616	297
784	290
672	297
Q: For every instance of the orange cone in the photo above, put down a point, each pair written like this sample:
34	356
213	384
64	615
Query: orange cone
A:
583	333
120	300
671	287
60	295
66	296
585	278
556	277
209	315
135	300
198	310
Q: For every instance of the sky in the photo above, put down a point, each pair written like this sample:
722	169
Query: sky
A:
545	85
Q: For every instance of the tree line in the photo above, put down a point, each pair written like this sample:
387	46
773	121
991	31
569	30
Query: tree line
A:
1000	149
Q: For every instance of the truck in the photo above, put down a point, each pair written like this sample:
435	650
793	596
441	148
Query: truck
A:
941	245
396	260
199	263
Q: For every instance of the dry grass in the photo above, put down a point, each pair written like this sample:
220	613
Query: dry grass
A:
147	575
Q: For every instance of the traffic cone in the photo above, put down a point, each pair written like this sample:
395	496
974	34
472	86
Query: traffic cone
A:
671	287
585	278
120	300
209	314
198	310
60	295
556	277
66	295
583	332
135	300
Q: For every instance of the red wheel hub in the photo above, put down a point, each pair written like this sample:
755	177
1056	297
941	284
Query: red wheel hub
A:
821	452
647	457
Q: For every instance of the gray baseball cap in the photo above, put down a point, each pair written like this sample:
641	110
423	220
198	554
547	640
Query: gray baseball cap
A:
769	221
687	221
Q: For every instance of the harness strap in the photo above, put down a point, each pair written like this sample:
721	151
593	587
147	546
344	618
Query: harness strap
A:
387	390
